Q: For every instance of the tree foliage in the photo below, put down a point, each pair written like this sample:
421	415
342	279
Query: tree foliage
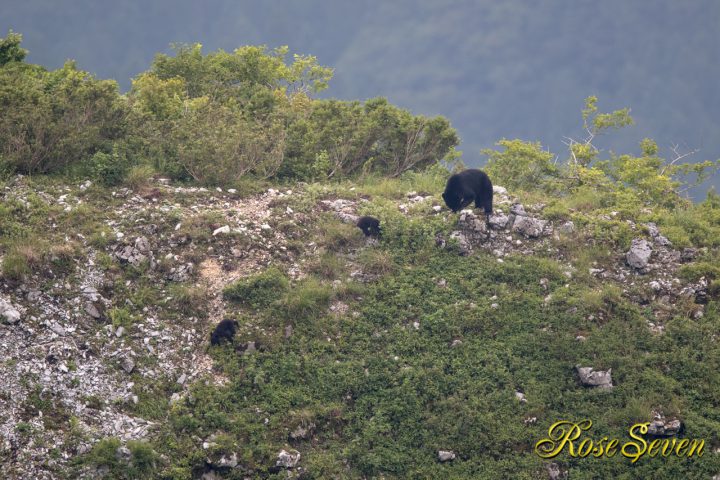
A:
51	120
645	178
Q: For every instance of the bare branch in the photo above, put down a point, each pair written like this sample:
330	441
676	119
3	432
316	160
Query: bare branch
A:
678	157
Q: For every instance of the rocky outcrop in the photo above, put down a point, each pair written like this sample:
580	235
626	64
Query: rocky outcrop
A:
9	313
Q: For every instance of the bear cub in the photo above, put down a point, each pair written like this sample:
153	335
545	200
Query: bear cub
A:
370	226
469	186
225	330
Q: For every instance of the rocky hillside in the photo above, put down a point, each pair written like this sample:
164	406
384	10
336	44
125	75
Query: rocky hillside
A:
445	348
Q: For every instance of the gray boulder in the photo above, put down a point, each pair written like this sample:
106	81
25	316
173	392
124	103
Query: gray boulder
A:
528	226
287	459
639	254
499	221
590	377
8	312
664	428
446	455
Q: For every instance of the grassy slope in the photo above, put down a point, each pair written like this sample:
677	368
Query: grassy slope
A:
384	396
381	395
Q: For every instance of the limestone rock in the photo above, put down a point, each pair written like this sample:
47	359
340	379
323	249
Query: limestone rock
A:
498	221
639	254
287	459
9	313
528	226
446	455
590	377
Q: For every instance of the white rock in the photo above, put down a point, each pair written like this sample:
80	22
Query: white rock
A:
9	312
223	229
287	459
446	455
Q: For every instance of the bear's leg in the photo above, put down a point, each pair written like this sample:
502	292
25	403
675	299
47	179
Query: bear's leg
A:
487	206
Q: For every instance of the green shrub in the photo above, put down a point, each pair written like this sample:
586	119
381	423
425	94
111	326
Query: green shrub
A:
121	316
306	300
258	291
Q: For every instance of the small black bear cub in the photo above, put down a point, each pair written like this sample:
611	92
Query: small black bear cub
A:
225	330
370	226
467	186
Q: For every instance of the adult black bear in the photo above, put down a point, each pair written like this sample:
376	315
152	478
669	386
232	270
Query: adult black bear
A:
467	186
225	330
370	226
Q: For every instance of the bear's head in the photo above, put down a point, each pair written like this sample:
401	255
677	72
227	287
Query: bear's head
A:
452	200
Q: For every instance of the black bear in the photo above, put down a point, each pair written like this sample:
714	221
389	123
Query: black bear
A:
370	226
467	186
225	330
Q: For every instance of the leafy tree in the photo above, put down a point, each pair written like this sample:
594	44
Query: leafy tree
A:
54	119
10	50
521	165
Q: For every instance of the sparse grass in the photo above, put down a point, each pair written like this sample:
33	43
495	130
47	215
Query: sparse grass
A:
139	177
22	258
385	384
328	266
190	299
199	227
376	262
337	236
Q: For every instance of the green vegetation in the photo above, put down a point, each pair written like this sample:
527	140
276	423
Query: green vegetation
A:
217	118
258	291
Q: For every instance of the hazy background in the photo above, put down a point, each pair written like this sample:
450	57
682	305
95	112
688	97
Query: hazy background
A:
512	68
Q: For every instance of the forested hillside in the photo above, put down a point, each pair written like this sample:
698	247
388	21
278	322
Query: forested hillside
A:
221	187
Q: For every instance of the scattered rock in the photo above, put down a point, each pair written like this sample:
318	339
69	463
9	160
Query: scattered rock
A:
688	254
9	312
302	432
446	455
123	454
127	364
498	221
662	427
93	310
223	229
655	234
567	228
554	472
594	378
528	226
287	459
463	243
183	273
639	254
517	209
